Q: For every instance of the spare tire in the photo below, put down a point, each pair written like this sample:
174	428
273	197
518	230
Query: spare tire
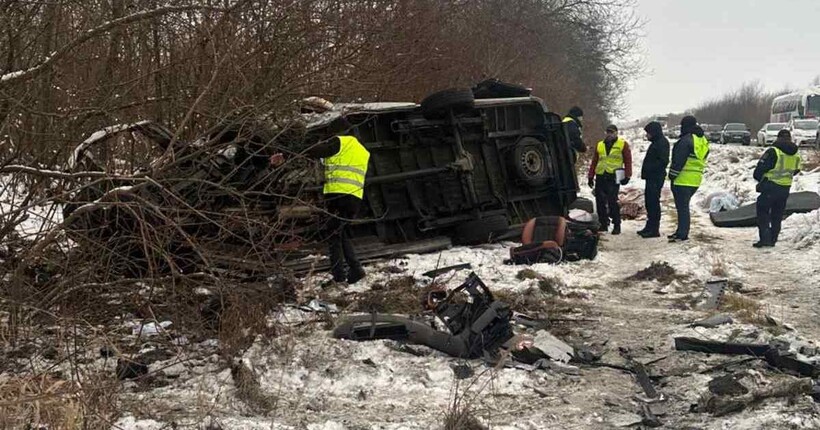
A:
480	230
493	88
436	105
530	162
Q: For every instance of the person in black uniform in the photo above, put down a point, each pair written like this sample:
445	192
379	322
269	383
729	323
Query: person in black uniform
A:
774	173
653	171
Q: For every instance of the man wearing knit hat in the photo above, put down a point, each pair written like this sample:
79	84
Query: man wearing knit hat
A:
774	173
686	172
573	124
653	170
611	156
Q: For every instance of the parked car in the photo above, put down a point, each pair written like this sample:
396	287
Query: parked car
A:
736	132
804	131
768	133
712	132
673	133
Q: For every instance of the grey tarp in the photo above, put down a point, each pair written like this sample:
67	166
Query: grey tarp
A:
746	216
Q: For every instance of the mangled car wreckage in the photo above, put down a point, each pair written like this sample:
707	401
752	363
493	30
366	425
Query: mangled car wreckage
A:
461	167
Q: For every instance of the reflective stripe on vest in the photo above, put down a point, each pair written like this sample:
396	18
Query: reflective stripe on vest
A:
692	173
610	162
345	172
580	129
784	168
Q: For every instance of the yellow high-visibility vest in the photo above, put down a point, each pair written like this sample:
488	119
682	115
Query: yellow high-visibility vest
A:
784	168
613	161
345	171
692	173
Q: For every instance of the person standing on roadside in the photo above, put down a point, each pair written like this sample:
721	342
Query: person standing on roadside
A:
774	173
612	155
574	127
653	171
686	172
345	162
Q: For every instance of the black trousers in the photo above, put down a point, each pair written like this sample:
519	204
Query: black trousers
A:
770	207
606	200
652	200
683	195
342	207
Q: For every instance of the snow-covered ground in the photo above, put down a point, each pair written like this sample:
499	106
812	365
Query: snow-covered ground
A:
322	383
39	216
308	380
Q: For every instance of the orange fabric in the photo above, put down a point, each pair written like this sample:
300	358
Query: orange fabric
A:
561	231
558	235
526	233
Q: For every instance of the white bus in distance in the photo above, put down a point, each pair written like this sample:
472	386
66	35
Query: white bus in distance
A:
800	104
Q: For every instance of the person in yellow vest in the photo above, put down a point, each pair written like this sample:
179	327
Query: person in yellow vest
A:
774	173
611	156
345	162
574	126
686	172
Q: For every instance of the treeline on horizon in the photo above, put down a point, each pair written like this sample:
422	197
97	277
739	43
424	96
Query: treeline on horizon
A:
750	104
70	68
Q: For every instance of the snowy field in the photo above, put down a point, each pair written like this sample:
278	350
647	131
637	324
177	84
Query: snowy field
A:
312	381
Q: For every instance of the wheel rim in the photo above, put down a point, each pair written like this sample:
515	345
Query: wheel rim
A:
532	162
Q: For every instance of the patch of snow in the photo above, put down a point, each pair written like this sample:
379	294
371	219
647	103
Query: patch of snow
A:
803	230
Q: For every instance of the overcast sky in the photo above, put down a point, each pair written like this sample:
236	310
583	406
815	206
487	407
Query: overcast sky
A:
697	50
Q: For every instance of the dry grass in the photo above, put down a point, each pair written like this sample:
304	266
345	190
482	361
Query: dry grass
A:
242	315
719	268
459	417
658	271
460	414
527	274
45	401
249	391
538	303
399	295
746	309
549	285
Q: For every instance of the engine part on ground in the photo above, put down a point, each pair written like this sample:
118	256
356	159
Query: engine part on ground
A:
478	325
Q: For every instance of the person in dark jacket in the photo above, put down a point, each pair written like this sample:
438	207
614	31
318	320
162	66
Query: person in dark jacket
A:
574	127
686	172
611	154
774	173
653	171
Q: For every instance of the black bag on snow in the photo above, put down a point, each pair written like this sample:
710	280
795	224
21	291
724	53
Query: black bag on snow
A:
540	252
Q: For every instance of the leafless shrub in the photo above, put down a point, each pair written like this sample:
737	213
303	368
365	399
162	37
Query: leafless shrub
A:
249	391
461	410
39	401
